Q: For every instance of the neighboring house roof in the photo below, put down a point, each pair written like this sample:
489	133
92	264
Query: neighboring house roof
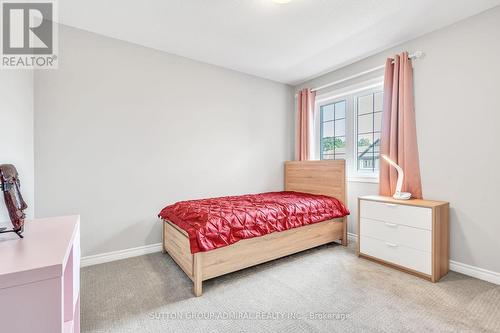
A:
362	155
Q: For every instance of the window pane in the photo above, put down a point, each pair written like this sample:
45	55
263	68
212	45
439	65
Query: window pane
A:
328	129
365	104
340	127
333	130
339	143
365	143
377	122
376	162
340	110
379	100
376	140
365	123
328	112
328	145
366	163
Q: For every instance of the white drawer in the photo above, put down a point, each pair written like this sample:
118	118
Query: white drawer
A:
418	217
395	253
415	238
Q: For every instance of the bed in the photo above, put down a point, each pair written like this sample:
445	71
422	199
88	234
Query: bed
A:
205	251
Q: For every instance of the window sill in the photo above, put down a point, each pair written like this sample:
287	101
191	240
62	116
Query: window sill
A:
372	180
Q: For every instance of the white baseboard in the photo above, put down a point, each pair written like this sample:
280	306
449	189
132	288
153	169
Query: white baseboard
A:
121	254
473	271
352	237
476	272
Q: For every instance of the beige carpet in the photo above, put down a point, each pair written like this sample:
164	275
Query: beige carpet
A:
327	289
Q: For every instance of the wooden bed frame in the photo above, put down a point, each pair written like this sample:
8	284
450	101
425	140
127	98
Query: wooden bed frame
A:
316	177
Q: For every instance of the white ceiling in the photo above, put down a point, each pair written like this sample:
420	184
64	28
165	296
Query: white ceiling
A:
286	43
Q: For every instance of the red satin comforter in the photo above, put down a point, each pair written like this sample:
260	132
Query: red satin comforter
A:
217	222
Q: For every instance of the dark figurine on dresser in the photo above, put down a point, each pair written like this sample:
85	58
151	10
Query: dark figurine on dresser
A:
10	184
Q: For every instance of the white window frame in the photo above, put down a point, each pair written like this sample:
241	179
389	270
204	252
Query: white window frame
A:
360	89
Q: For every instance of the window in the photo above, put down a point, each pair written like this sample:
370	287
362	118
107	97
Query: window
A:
368	124
348	127
332	135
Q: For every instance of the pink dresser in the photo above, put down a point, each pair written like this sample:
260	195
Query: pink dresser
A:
40	278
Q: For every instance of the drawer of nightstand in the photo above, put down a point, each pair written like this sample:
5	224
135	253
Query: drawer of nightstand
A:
418	217
415	238
395	253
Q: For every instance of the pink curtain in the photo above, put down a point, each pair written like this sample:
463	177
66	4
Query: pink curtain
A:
304	131
399	134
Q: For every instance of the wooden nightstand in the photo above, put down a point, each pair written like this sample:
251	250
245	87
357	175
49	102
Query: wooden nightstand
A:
410	235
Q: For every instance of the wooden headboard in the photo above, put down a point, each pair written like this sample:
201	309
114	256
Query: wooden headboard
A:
317	177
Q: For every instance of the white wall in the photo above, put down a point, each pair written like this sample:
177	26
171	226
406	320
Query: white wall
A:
122	130
457	100
16	133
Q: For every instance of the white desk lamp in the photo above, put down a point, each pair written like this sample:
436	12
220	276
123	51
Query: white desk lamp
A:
398	195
